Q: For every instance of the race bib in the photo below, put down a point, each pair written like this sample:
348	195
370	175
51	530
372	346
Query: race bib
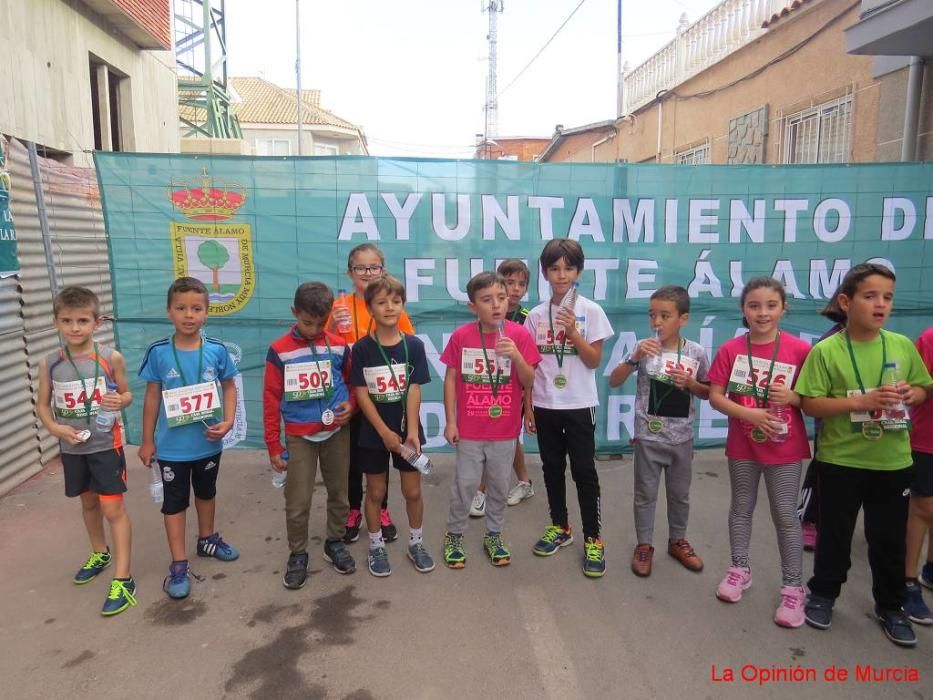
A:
192	403
308	380
380	384
70	398
744	378
892	419
476	370
549	342
669	363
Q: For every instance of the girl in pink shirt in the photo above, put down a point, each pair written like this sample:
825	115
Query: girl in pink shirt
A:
751	381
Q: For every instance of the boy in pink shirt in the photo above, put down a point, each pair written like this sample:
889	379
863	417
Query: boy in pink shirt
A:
490	368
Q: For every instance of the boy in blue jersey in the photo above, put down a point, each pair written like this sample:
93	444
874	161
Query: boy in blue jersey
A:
184	419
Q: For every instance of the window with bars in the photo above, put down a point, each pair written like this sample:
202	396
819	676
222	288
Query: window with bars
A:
821	134
698	155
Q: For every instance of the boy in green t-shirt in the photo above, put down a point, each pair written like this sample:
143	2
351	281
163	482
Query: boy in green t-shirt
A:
859	382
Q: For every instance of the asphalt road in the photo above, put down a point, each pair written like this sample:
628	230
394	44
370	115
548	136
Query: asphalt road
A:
535	629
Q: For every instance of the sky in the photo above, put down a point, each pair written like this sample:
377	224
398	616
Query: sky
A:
413	73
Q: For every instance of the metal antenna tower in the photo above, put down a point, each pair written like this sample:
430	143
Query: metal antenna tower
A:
493	8
201	56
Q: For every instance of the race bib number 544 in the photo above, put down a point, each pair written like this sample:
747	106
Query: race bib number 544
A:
192	403
71	398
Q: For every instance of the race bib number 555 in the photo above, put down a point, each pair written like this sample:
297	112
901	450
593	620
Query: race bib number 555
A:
192	403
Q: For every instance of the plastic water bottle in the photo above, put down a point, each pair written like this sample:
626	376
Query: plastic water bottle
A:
891	377
106	419
779	411
279	478
500	334
655	363
418	460
570	297
344	323
155	481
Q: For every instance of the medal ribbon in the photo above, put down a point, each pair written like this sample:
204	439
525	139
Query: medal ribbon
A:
653	400
761	400
88	396
493	385
884	359
328	390
559	355
181	372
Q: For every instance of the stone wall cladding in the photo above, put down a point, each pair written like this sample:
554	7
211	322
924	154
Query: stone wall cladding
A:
747	135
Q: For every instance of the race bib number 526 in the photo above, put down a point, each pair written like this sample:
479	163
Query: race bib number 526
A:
191	404
743	379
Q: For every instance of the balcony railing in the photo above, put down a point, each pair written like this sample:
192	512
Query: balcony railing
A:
724	29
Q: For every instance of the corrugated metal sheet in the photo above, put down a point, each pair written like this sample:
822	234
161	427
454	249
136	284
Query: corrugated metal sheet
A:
79	249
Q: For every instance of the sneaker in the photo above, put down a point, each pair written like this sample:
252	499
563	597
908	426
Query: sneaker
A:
214	546
790	612
337	554
121	597
389	531
379	562
454	556
478	507
914	607
553	539
178	582
352	526
737	580
819	611
420	558
97	562
594	557
808	536
498	553
683	552
296	571
896	627
926	575
519	492
641	560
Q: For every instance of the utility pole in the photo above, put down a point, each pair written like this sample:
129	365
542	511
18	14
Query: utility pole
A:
298	106
491	110
620	101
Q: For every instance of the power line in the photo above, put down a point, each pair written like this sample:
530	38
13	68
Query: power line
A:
541	50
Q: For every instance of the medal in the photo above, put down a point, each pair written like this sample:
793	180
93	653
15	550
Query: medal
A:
327	417
83	435
495	411
759	435
655	424
560	381
872	430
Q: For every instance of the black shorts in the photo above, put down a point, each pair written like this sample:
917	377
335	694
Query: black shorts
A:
103	473
178	478
921	480
374	461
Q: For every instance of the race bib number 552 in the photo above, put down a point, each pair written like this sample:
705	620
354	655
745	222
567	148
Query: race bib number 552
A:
475	368
192	403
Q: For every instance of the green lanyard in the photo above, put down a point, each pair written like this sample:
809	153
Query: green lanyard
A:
516	315
559	355
653	399
200	360
392	371
761	400
328	390
356	326
884	359
88	395
493	384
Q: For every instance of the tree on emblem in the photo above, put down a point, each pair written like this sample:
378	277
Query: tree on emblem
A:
213	256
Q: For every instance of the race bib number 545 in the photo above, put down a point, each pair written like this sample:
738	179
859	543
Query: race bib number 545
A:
192	403
382	386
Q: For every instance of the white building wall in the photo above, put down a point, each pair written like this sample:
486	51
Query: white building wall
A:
46	87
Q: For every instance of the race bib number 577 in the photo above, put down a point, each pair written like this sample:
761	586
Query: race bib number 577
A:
191	404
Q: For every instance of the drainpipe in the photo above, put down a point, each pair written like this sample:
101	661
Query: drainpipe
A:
600	143
912	109
660	121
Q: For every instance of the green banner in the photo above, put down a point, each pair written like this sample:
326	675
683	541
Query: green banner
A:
9	264
254	228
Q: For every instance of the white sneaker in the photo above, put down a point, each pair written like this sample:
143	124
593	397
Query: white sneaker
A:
520	492
478	508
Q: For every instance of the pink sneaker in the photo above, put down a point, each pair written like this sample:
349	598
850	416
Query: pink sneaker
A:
737	580
808	536
790	612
